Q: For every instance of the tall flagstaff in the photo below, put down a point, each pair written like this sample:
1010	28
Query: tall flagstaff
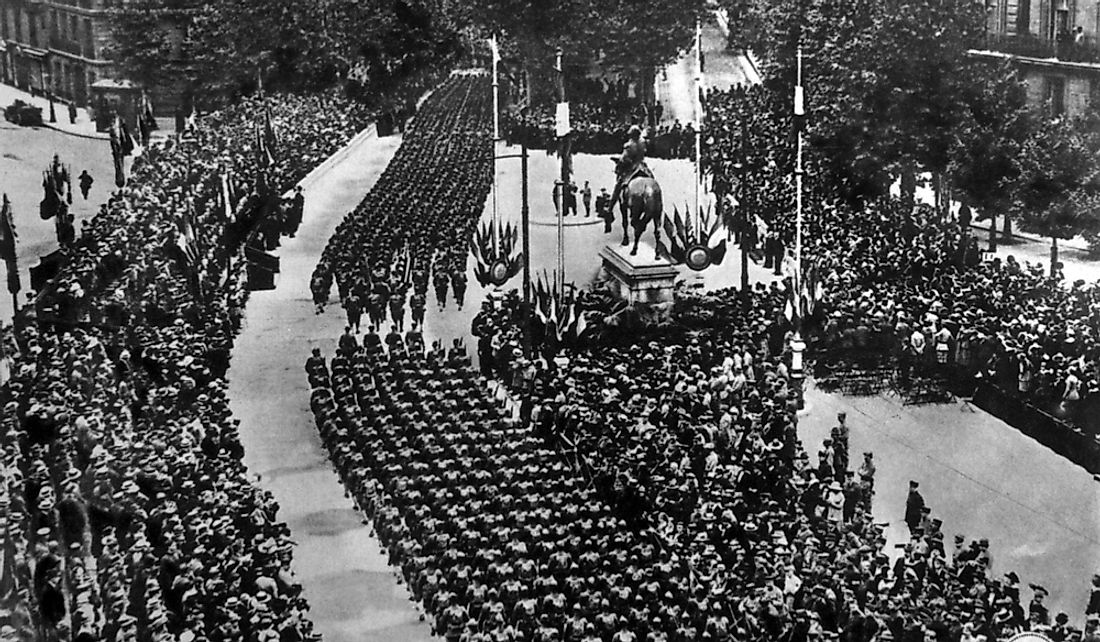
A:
798	346
563	129
799	115
698	123
496	133
496	87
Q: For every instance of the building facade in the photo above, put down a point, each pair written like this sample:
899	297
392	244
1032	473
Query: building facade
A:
1055	45
55	45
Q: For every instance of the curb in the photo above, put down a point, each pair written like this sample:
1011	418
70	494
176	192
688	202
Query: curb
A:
1045	241
369	132
77	134
554	222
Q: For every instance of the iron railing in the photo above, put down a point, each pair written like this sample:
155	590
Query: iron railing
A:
1069	47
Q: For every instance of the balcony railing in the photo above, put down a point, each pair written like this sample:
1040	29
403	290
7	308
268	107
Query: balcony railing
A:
1067	47
68	46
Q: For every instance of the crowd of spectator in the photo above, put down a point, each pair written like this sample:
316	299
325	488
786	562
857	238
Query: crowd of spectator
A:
600	114
649	486
127	513
907	282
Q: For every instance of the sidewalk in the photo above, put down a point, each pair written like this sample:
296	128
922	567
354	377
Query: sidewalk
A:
351	589
84	125
722	69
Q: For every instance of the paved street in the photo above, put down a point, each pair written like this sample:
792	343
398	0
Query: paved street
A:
722	69
24	155
352	591
983	478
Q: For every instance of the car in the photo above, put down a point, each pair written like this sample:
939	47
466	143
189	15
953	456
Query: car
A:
23	114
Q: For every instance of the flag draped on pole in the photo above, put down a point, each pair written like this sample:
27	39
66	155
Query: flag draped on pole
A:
7	231
799	109
226	198
7	246
146	121
271	137
117	153
186	242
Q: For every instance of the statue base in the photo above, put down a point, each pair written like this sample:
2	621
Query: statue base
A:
640	278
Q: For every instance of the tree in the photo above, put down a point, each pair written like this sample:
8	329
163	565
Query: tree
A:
883	79
984	159
1058	194
622	36
150	41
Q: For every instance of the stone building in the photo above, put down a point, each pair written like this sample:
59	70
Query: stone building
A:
1054	43
55	45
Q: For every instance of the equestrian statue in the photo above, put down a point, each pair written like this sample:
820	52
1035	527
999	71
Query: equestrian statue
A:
641	195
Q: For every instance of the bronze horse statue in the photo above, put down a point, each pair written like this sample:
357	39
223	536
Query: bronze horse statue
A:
640	203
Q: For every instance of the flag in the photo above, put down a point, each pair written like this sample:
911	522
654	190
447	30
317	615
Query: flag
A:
263	153
146	121
812	288
790	307
799	100
118	146
226	199
67	178
7	232
581	325
147	113
186	242
126	140
495	48
115	134
271	138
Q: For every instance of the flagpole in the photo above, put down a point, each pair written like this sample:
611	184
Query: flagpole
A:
798	345
698	124
564	151
799	112
496	89
496	137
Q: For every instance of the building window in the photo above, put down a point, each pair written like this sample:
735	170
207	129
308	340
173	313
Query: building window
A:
1056	95
89	39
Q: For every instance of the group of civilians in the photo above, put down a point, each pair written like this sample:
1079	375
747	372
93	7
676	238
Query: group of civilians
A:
126	510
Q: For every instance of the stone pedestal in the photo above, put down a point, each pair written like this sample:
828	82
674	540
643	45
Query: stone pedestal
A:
640	278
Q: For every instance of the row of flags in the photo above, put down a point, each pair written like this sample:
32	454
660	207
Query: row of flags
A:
264	140
230	195
810	291
186	246
57	190
560	315
122	145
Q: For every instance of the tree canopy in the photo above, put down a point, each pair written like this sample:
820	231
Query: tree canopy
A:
889	83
